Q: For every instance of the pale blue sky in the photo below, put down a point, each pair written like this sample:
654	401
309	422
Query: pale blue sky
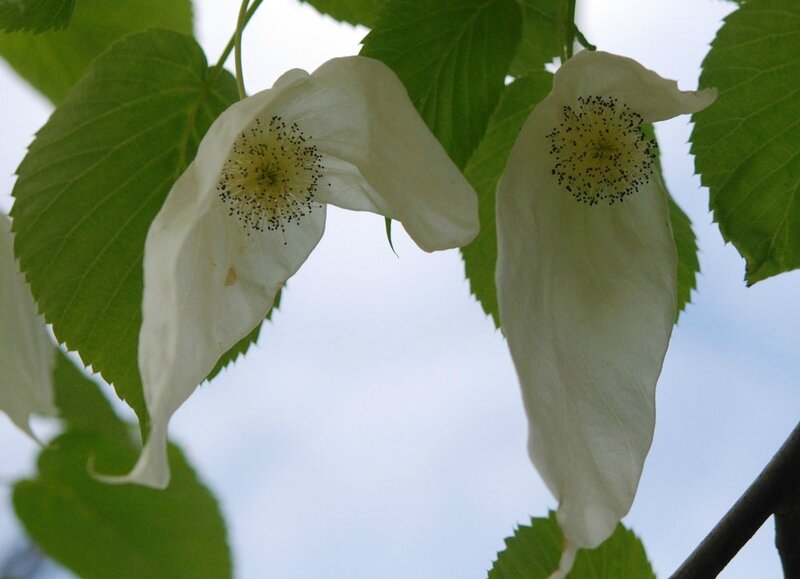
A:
377	429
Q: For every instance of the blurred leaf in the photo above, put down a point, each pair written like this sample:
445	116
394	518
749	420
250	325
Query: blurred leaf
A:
27	354
364	12
539	44
452	56
34	15
54	61
533	553
99	530
92	182
483	171
746	144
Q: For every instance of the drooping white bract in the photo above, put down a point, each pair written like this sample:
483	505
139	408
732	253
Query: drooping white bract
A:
586	282
27	354
251	206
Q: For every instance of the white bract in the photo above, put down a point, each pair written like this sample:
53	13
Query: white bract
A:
27	354
586	282
251	206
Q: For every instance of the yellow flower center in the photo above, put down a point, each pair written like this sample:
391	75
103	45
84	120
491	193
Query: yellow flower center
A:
270	177
600	152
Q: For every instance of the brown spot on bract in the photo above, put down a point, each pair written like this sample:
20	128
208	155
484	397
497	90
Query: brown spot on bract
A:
230	278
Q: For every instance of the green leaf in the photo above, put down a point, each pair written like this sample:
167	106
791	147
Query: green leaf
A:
35	15
241	347
81	404
92	182
540	43
99	530
746	144
483	172
388	227
682	232
364	12
686	244
54	61
533	553
453	56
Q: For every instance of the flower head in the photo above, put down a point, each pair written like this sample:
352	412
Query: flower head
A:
271	176
586	282
249	209
599	152
28	355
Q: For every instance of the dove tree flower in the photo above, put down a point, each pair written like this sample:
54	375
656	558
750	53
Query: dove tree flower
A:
27	355
586	282
249	209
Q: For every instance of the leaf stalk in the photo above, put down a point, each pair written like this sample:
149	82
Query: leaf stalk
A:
566	28
232	42
237	57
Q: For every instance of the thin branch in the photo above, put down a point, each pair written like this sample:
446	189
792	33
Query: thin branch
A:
777	484
787	531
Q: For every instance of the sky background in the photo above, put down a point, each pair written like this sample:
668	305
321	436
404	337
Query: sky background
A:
377	431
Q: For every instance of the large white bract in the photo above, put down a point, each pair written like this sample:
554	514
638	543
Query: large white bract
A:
586	282
251	206
27	355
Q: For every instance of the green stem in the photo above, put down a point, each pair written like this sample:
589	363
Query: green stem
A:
566	28
237	55
232	42
570	27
